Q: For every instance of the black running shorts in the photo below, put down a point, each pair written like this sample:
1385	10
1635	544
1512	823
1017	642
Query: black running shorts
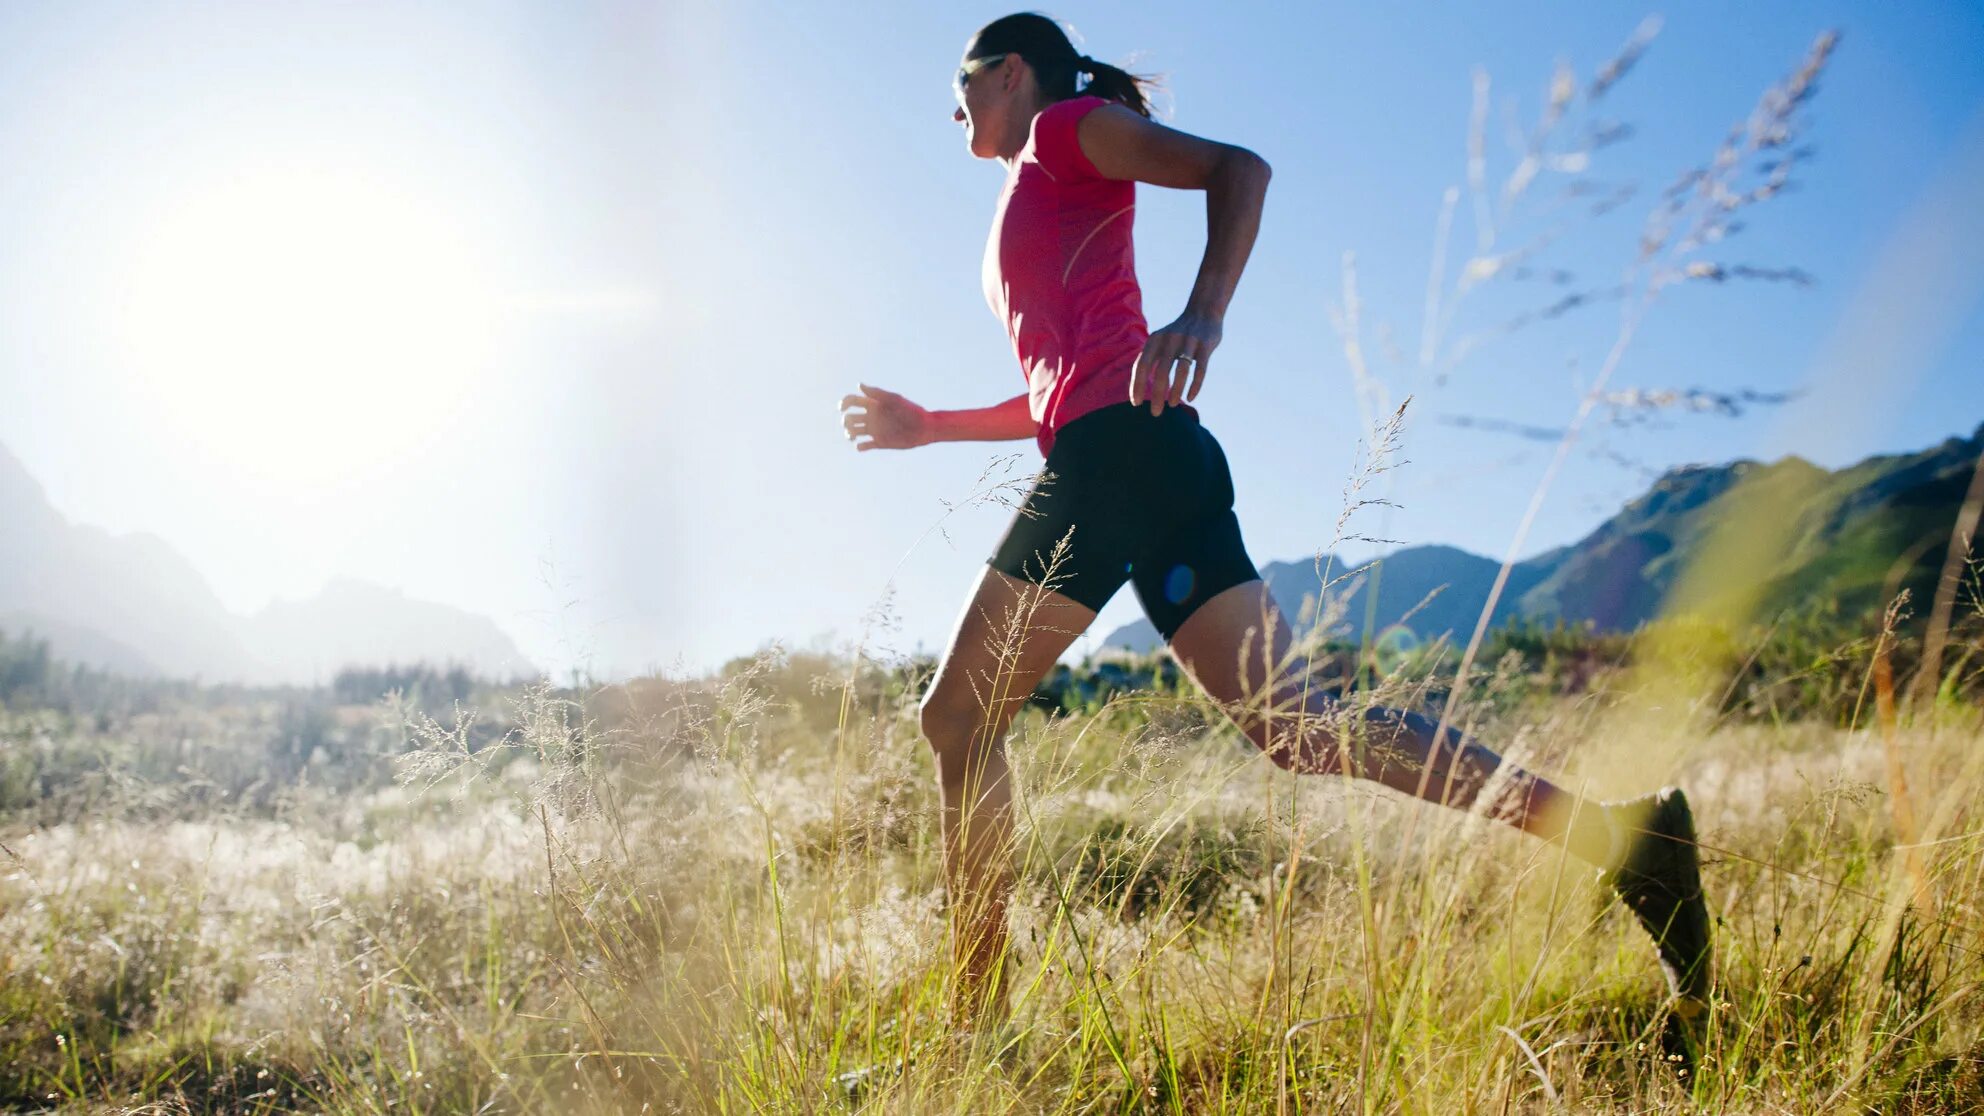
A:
1139	498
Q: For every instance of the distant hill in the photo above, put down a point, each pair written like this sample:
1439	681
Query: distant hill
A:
125	601
1848	537
357	622
133	605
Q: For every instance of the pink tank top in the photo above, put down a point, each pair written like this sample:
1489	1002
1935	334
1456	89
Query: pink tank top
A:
1059	271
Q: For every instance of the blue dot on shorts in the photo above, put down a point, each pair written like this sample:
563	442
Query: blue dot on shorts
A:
1178	583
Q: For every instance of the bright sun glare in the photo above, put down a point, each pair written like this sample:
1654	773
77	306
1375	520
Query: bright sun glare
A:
306	325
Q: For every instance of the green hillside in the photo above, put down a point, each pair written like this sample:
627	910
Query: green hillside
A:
1749	540
1737	542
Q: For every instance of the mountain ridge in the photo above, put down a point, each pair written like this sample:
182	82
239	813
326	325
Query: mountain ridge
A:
1806	533
132	604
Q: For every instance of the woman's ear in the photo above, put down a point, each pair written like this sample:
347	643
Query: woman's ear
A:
1012	72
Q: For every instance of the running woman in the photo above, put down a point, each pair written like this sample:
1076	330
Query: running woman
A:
1140	492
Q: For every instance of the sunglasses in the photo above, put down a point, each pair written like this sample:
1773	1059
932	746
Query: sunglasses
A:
965	71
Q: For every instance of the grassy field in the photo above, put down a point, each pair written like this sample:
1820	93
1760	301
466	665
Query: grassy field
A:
725	896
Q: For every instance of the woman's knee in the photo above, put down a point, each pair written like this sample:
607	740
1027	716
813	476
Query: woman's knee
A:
1302	743
952	722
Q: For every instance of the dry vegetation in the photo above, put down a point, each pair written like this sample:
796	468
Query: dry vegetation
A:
725	896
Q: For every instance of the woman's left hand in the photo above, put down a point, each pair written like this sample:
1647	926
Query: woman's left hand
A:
1172	357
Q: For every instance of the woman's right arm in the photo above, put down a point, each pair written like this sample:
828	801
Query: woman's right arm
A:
878	419
1001	422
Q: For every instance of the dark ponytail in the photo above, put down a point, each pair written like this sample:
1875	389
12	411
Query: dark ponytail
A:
1057	65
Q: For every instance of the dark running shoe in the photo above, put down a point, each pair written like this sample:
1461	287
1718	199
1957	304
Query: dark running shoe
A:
1660	879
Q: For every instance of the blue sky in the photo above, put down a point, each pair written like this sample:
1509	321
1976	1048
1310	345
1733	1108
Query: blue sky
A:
544	310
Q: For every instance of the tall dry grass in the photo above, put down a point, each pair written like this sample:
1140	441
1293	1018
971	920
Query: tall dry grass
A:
691	899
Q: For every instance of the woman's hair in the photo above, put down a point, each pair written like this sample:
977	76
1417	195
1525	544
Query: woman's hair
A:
1056	63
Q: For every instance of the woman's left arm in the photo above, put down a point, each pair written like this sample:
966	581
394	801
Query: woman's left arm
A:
1123	144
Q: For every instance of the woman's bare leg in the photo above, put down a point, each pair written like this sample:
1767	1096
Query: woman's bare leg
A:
1397	748
1009	635
1646	845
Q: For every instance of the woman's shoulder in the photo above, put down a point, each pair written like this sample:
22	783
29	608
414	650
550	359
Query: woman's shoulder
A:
1055	142
1077	106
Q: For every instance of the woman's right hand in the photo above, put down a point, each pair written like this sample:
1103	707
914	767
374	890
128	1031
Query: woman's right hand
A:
877	419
